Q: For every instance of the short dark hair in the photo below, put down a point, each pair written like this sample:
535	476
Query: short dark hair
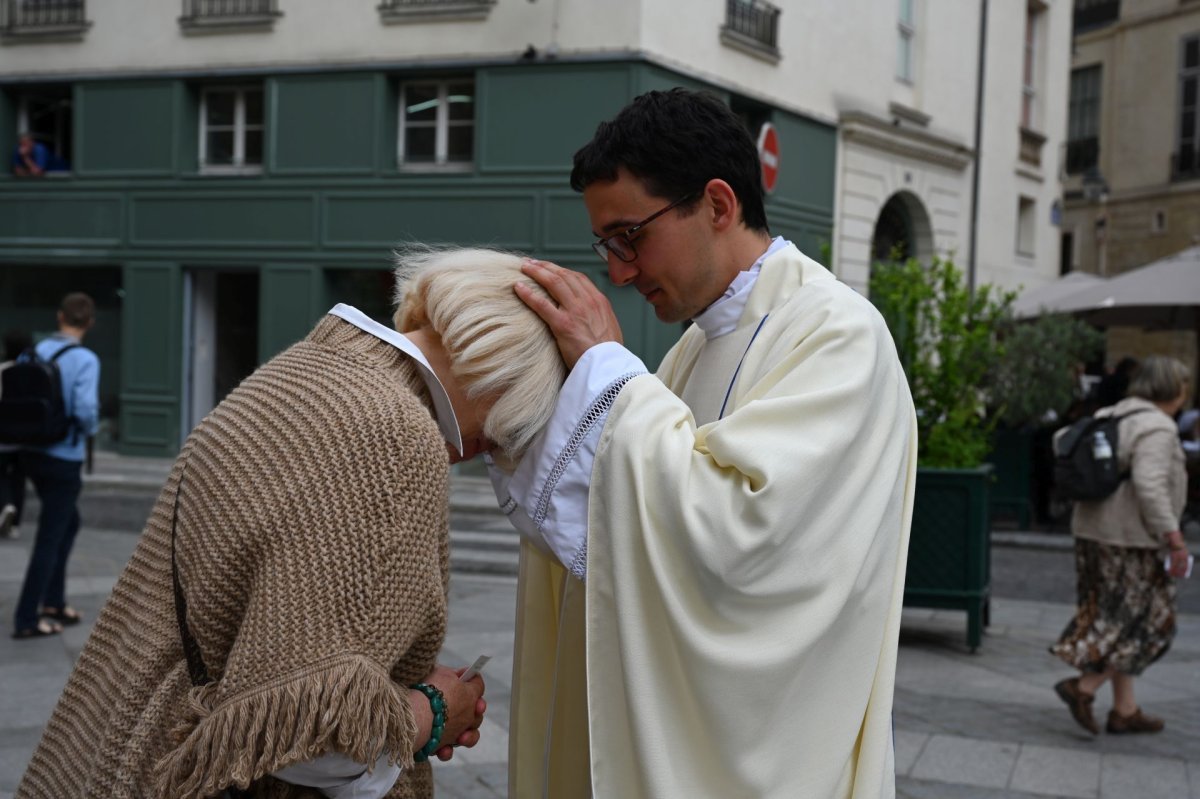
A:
676	142
77	309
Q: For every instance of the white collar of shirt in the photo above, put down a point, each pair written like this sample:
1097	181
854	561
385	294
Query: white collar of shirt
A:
723	315
443	411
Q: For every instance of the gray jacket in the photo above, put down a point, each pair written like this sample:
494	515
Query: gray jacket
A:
1149	503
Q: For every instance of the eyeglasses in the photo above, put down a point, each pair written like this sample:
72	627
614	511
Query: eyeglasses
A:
621	244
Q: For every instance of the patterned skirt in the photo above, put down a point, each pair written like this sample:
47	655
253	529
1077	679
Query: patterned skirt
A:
1125	614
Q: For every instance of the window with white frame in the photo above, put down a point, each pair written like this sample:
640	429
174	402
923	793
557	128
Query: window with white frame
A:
437	124
44	112
231	129
1029	66
908	33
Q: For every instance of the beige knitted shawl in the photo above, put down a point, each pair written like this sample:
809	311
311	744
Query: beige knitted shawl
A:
314	553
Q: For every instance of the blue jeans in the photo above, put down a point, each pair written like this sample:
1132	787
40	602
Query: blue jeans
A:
58	484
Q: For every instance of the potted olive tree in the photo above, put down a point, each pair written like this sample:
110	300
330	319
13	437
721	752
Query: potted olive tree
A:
1031	393
949	341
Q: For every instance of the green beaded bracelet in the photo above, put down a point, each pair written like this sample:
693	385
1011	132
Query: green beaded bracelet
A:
437	703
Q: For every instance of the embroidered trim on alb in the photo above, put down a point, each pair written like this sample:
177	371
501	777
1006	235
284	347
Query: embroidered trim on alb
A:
595	412
578	566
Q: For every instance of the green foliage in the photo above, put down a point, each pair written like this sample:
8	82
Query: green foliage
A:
949	342
1037	372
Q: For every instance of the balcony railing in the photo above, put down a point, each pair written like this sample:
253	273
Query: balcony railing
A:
752	26
1095	14
221	13
1082	154
406	10
42	17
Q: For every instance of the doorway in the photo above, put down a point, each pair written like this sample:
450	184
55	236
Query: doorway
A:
220	337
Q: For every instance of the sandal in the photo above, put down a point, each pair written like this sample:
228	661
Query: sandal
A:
42	630
67	616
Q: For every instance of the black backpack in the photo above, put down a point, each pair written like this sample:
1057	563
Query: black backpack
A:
1085	458
32	410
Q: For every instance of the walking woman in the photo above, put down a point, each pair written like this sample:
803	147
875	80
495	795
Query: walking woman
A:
1125	618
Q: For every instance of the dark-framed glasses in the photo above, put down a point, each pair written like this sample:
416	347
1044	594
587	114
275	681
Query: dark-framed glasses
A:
621	244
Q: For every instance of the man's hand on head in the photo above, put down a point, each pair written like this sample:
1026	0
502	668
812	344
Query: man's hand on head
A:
578	314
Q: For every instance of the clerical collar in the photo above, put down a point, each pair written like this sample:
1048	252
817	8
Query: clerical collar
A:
443	411
723	315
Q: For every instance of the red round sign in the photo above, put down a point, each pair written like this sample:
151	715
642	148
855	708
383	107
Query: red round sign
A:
768	156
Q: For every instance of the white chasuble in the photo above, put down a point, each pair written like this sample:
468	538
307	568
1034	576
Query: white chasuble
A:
744	575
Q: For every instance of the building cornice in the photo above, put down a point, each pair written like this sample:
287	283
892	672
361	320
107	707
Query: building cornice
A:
861	127
1132	22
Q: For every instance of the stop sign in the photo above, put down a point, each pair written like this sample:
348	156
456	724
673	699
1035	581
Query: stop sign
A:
768	156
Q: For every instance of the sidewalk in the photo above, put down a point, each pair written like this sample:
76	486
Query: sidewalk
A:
983	726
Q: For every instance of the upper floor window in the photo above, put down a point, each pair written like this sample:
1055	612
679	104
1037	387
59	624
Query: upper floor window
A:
1187	159
907	29
439	10
437	124
51	19
203	15
45	123
753	27
1033	19
1083	120
1090	14
231	129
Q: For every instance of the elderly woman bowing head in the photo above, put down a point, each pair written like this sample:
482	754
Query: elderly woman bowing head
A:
276	631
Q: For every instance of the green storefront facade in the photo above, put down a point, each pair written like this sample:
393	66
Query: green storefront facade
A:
137	222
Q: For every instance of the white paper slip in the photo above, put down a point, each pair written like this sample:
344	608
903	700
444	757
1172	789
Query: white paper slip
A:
476	667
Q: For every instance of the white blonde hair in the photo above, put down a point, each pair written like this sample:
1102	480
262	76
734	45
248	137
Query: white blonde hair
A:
497	346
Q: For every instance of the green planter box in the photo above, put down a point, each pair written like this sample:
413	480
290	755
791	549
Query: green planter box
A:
1012	486
949	554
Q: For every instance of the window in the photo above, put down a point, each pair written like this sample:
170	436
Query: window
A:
907	32
753	26
1091	14
45	112
1026	220
231	130
1187	164
1033	18
1083	120
437	124
45	19
199	15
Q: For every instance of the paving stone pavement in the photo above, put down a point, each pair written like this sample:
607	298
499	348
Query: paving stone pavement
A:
982	726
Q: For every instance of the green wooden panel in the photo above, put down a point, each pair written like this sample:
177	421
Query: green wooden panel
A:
125	128
291	298
650	77
566	227
534	119
187	114
324	123
60	218
387	125
807	160
8	130
381	221
150	377
244	219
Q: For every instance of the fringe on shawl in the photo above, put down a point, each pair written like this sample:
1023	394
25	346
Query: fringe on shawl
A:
349	705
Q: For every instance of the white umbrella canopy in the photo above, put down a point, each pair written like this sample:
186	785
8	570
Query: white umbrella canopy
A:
1046	299
1162	294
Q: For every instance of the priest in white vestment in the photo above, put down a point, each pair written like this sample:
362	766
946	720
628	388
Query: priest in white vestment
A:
713	567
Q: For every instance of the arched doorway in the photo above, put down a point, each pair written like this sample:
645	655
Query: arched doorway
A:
902	230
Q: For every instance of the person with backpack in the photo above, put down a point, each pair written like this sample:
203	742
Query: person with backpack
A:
55	469
1128	548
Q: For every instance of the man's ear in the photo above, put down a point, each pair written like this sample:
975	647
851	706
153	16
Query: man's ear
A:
721	203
